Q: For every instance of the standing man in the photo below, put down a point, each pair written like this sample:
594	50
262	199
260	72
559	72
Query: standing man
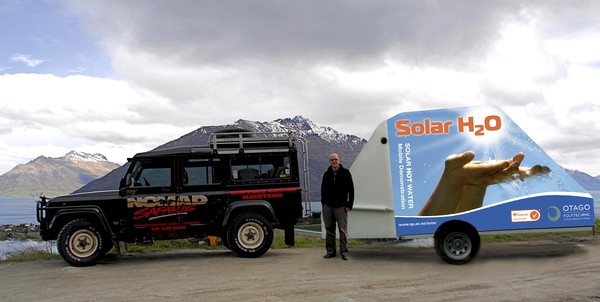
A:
337	198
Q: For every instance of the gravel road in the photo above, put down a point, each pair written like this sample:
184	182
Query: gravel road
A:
530	271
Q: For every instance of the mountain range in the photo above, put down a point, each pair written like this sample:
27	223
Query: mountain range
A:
321	142
83	172
587	181
54	176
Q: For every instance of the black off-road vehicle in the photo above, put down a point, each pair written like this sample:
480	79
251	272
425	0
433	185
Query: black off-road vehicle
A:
239	187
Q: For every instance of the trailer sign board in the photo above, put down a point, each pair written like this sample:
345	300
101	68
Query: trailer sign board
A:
475	164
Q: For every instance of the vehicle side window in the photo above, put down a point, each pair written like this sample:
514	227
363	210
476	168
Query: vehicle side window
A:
198	172
152	173
253	167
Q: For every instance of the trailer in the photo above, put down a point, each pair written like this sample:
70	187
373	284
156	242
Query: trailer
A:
455	174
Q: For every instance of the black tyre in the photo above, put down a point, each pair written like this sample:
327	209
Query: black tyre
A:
81	243
457	246
249	235
225	240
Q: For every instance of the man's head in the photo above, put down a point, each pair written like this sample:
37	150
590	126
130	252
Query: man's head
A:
334	161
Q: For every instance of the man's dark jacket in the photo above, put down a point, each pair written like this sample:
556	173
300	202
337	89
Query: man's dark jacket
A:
337	191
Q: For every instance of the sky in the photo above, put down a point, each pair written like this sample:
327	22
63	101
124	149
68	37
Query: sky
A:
120	77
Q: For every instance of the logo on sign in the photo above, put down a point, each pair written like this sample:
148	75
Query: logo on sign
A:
525	215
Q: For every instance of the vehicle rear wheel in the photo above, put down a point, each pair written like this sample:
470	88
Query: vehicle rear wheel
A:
457	246
81	243
249	235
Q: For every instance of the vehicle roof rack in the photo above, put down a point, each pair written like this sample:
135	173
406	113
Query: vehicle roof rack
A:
252	142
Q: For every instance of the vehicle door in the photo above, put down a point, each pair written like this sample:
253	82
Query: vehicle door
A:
202	196
151	198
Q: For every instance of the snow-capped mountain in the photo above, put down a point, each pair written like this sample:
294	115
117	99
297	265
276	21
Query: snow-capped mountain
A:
303	126
54	176
321	142
75	156
306	127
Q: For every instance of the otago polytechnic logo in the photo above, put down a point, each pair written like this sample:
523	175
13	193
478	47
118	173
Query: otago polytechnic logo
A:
553	213
574	212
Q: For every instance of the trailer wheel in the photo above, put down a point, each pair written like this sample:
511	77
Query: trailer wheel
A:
457	246
81	243
250	235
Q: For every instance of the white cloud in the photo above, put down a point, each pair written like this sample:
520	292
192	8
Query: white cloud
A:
25	59
344	64
49	115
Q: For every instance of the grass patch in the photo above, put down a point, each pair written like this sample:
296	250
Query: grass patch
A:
30	256
533	236
539	236
27	255
21	236
302	240
166	245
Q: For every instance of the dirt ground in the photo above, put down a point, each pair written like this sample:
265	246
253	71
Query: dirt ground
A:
530	271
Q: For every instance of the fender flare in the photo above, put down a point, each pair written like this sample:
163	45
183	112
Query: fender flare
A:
79	212
455	224
249	203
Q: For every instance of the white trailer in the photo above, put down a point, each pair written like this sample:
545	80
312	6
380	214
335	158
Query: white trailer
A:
453	174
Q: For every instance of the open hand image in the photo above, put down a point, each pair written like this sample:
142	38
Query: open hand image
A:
464	181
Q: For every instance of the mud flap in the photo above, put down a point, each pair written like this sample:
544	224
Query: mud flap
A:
117	246
289	235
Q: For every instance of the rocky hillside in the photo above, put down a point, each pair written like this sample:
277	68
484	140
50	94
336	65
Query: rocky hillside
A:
587	181
321	142
54	176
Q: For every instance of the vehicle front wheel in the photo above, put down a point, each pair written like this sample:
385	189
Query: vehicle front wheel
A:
81	243
225	240
250	235
457	246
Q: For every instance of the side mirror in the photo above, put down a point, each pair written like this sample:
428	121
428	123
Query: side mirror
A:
124	184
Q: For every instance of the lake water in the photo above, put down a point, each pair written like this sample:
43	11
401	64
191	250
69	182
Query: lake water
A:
17	210
21	210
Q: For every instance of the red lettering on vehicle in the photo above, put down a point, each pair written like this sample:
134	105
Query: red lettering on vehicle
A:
264	191
147	213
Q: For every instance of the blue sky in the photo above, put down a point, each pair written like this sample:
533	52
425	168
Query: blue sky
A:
42	37
120	77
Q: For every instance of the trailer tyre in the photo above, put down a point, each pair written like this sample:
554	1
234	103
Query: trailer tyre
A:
457	246
250	235
81	243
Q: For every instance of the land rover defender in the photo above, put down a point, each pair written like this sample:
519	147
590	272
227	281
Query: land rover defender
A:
240	186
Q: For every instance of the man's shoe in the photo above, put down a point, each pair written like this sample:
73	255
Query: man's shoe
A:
329	256
345	257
